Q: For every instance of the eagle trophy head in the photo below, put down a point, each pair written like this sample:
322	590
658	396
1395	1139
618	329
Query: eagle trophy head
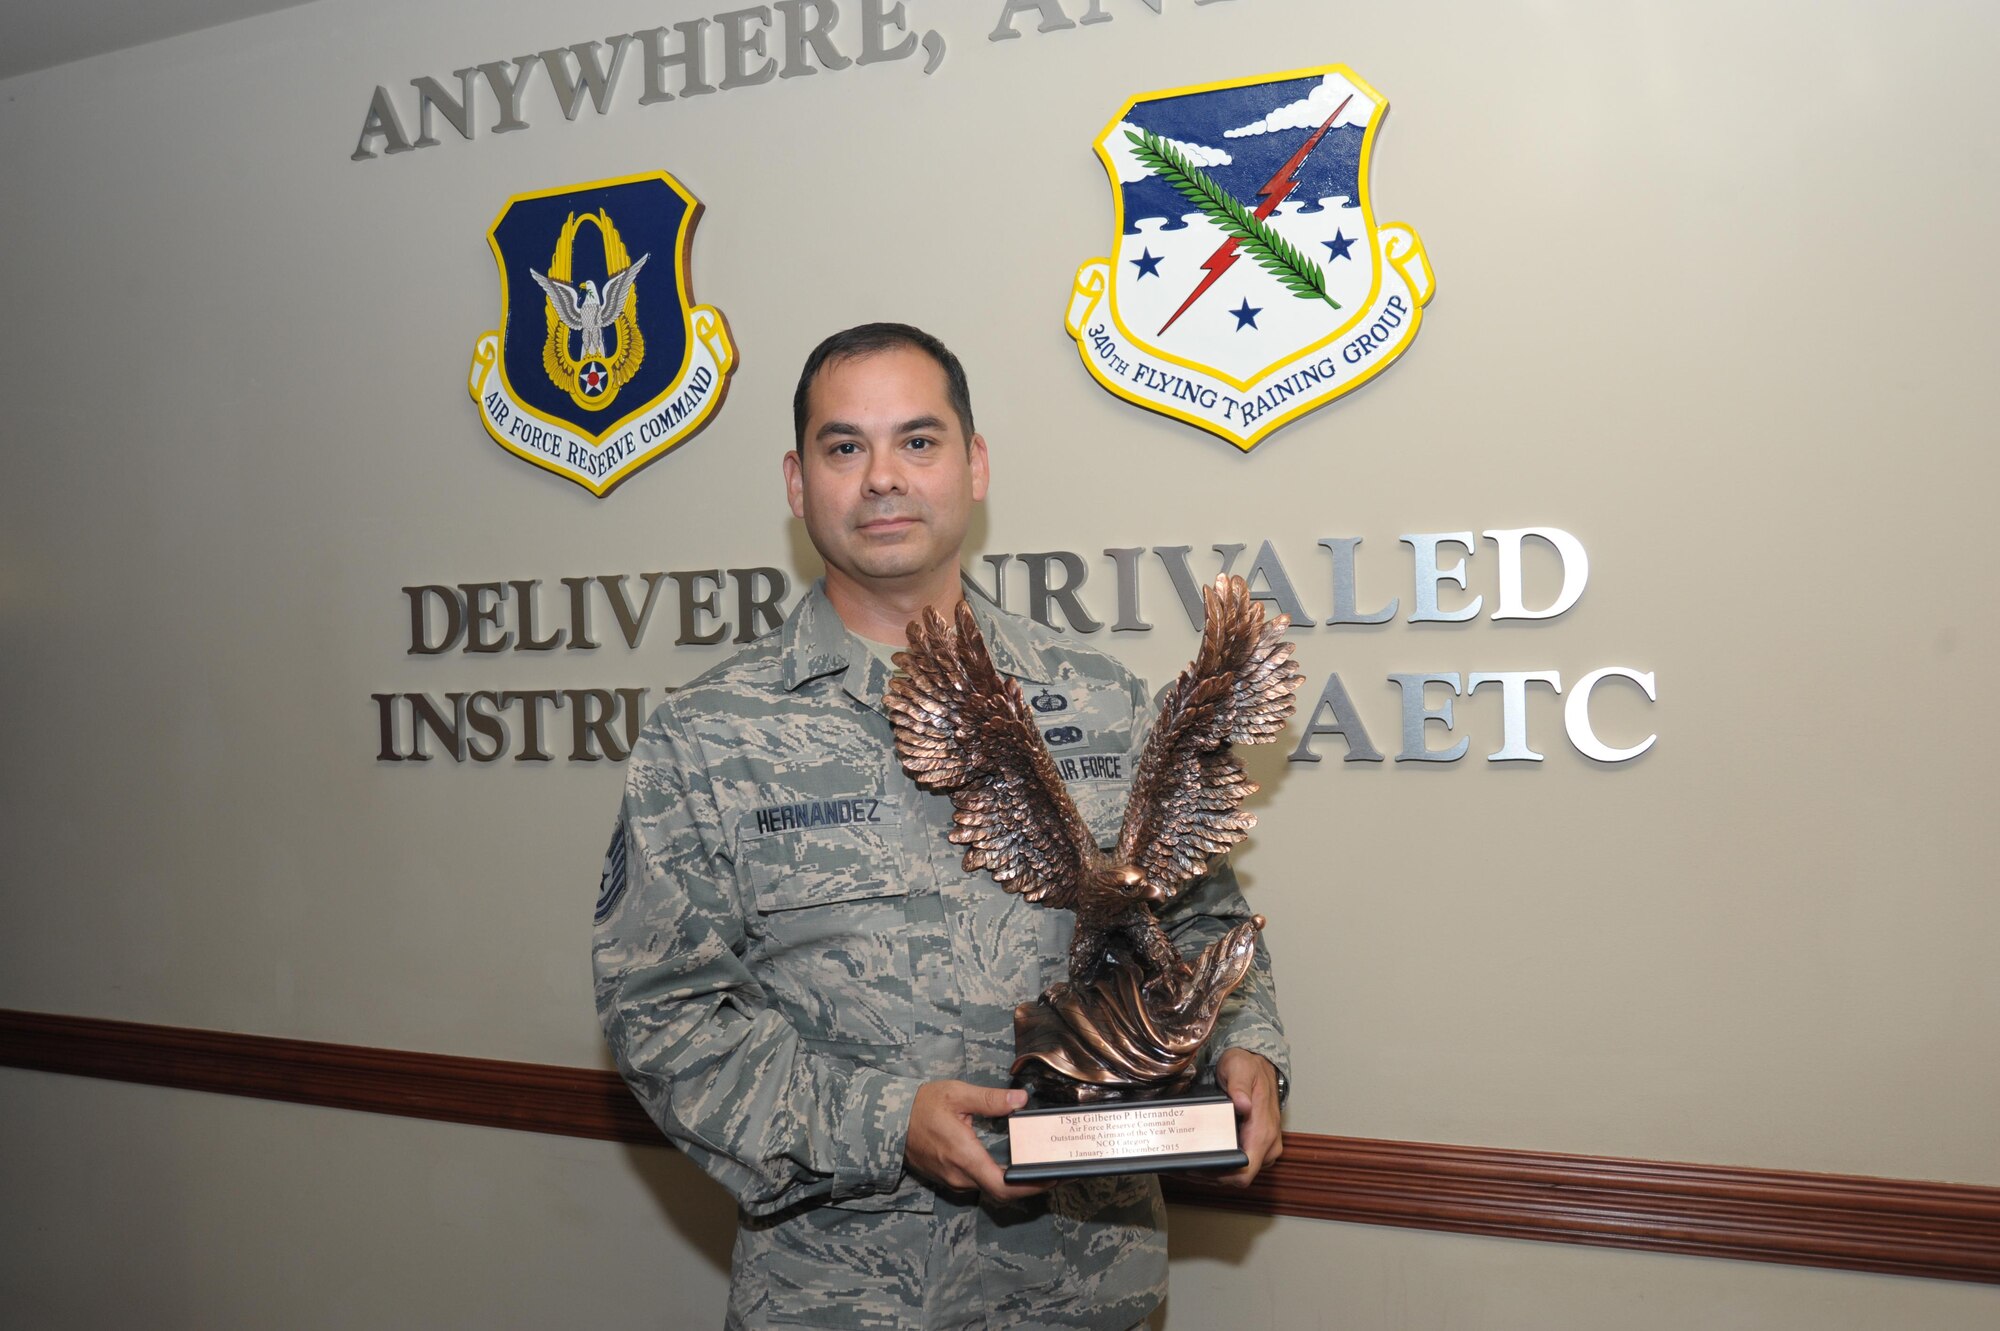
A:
1129	885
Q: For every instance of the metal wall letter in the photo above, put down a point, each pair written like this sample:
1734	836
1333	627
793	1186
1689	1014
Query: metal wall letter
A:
1429	575
1576	715
1576	571
1514	709
1416	714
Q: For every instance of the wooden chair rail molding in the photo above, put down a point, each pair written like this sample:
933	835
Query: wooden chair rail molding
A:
1902	1226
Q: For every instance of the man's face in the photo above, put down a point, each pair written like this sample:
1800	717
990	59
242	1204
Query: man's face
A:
885	482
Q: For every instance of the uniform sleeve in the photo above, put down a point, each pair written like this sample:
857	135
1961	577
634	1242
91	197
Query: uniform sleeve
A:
1204	911
722	1072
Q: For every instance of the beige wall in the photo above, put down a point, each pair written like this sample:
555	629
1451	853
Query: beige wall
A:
1714	289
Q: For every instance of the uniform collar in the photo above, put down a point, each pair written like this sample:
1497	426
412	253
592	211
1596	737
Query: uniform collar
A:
816	643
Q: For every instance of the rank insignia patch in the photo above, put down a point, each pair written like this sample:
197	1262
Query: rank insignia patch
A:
602	361
1250	282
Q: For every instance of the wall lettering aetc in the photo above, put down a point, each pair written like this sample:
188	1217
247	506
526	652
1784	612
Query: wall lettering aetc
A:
1122	592
737	48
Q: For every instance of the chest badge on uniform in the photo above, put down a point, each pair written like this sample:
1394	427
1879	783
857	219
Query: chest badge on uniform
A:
1048	700
602	361
1249	282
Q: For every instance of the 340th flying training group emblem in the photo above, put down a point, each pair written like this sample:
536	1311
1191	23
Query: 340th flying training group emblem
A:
1250	282
602	361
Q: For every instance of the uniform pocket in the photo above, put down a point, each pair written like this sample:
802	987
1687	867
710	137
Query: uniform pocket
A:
830	1268
1099	784
833	928
1087	1239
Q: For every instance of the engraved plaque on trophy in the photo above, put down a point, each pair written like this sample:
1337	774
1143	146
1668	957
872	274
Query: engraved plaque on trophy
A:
1109	1055
1122	1137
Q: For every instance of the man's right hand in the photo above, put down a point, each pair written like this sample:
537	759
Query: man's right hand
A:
943	1147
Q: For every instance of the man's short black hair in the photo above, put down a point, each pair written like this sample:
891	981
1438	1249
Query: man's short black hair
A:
867	340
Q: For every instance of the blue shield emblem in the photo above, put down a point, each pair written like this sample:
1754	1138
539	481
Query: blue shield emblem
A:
602	361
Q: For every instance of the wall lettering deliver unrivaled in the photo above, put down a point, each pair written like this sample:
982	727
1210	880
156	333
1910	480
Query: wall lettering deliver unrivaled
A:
1121	592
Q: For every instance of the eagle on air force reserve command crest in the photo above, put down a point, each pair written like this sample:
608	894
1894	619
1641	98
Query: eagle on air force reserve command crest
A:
1250	282
602	361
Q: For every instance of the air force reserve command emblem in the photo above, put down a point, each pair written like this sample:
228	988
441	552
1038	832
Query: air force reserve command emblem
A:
602	361
1251	282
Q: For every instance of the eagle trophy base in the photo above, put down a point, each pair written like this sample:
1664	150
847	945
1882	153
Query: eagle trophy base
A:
1112	1059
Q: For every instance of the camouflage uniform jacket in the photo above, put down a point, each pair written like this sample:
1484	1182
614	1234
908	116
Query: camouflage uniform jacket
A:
787	947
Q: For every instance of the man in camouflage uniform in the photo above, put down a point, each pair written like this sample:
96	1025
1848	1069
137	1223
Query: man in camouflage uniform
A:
801	983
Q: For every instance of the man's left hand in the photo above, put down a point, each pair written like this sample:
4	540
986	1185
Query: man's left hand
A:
1252	1084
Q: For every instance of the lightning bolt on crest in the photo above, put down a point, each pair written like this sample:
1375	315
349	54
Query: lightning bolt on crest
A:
1274	192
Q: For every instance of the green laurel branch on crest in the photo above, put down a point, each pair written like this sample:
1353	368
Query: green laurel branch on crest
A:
1276	255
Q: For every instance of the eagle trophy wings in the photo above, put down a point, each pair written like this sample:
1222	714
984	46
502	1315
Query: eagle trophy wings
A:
1134	1012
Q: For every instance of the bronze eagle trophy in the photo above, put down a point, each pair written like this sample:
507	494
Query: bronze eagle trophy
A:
1131	1019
